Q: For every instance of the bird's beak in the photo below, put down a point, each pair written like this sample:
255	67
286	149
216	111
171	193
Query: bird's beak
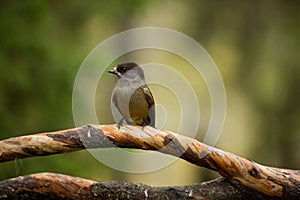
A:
112	71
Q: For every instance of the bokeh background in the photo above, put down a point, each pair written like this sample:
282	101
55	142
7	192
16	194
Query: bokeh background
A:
255	44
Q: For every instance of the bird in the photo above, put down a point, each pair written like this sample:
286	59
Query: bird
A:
132	97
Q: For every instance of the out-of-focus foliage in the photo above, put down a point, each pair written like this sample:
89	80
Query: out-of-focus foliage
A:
256	46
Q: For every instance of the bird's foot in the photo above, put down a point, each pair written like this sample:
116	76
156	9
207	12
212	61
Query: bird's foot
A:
143	125
120	123
119	126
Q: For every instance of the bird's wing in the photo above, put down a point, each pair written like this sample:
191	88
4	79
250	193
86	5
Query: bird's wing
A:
148	95
150	101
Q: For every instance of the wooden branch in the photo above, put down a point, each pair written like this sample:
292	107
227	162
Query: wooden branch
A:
270	181
58	186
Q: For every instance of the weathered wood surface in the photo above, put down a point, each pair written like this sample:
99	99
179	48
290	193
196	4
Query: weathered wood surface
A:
58	186
274	182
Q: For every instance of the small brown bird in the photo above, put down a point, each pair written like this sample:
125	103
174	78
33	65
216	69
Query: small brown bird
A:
131	95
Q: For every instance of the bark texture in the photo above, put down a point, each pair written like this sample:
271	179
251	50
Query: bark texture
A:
273	182
58	186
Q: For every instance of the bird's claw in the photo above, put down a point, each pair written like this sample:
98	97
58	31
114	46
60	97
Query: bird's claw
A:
120	123
143	125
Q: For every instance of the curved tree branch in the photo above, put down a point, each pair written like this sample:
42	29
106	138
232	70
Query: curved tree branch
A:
59	186
270	181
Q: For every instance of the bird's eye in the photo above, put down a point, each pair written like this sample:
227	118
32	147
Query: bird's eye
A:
123	70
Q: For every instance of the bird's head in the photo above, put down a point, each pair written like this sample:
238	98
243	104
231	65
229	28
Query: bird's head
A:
124	68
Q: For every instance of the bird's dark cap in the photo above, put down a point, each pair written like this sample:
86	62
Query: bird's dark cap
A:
128	65
121	68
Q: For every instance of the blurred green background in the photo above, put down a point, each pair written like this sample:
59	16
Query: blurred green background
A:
255	44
